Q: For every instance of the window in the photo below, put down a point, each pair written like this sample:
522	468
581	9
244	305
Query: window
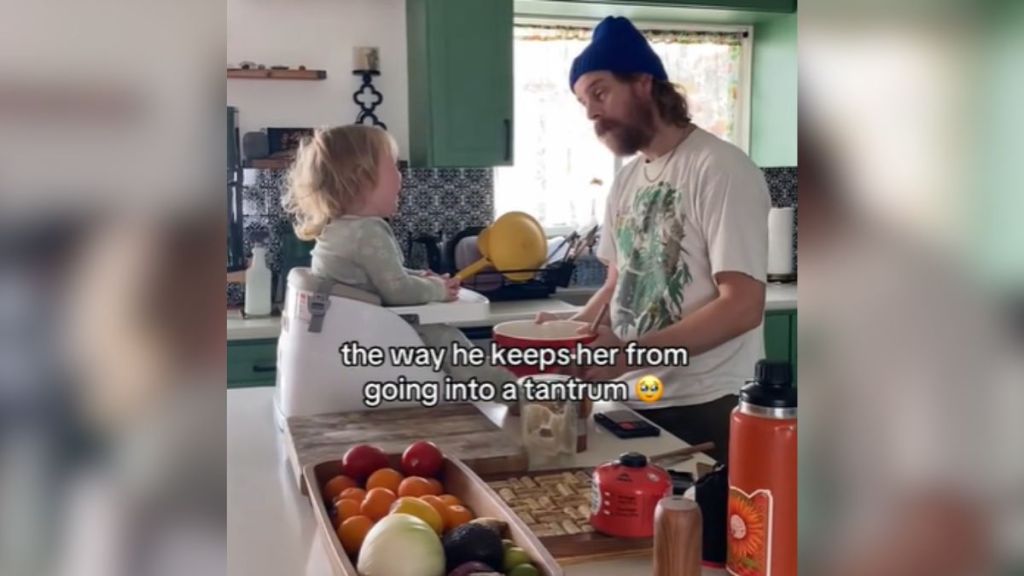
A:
562	173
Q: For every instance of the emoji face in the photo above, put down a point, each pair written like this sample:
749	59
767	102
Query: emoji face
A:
649	389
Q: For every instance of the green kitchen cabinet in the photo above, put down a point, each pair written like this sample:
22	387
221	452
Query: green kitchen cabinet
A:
780	337
793	344
776	336
252	363
460	83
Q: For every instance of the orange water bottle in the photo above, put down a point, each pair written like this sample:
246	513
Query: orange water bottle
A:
761	537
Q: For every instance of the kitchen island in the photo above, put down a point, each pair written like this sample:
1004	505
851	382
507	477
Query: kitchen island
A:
271	530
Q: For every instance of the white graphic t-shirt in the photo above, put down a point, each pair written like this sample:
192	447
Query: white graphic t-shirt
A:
670	225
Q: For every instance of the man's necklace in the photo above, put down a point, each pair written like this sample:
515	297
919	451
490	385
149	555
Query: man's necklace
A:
669	159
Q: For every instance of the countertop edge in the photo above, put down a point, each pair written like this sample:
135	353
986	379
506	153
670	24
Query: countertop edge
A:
780	297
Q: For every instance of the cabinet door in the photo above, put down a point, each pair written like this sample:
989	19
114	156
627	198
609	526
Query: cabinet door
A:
460	82
252	363
776	336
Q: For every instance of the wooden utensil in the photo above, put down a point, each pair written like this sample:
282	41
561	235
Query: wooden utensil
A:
515	241
681	455
599	318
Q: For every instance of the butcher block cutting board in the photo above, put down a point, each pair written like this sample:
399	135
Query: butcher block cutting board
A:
459	430
555	506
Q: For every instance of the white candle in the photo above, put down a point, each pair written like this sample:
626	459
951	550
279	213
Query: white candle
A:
365	58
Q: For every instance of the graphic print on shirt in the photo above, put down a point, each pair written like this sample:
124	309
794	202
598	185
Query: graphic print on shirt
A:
652	267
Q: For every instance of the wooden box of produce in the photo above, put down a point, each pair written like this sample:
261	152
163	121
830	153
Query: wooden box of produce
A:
418	513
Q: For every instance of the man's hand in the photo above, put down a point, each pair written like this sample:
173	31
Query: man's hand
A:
606	373
605	339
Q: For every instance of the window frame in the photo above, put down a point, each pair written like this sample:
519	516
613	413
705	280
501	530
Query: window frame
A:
746	68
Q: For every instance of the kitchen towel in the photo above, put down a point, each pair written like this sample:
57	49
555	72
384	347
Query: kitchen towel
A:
780	241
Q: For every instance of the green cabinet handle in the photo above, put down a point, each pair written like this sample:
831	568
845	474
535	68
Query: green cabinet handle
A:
259	368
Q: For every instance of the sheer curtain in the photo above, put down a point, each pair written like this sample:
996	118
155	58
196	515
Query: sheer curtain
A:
562	173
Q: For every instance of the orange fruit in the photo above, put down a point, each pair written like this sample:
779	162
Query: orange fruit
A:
437	504
357	494
335	486
420	509
377	503
347	509
385	478
416	486
450	500
456	516
438	487
352	533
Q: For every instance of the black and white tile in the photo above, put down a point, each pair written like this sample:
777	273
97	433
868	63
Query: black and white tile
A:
435	202
782	184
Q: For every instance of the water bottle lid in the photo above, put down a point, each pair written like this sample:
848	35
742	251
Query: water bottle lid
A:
772	386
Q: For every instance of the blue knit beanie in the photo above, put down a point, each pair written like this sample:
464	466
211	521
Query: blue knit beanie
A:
617	46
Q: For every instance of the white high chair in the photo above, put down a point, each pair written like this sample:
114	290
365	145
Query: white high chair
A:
320	315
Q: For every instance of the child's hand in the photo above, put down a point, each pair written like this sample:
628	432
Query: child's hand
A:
451	287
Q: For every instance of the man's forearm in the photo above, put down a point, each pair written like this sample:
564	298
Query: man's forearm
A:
593	306
709	326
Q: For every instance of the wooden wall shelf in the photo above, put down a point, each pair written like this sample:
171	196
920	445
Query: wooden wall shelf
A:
269	163
268	74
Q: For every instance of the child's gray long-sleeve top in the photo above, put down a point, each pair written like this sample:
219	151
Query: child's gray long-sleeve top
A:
362	252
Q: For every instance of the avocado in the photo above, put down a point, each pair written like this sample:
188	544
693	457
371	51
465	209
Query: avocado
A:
473	543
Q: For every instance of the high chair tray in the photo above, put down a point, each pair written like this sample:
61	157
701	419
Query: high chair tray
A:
470	307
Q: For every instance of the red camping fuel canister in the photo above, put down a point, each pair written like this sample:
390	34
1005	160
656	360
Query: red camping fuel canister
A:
625	494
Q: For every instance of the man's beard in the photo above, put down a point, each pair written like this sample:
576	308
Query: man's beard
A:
626	138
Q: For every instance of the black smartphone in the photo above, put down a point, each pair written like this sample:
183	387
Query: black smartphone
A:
626	424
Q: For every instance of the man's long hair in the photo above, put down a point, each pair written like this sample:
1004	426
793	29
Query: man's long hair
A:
669	100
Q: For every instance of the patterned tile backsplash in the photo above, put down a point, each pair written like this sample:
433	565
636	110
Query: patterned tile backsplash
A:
782	185
436	202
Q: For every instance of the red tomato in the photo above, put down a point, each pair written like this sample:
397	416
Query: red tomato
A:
422	459
362	460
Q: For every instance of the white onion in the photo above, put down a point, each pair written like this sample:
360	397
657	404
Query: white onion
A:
401	545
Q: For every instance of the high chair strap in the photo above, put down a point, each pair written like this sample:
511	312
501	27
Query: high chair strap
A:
319	302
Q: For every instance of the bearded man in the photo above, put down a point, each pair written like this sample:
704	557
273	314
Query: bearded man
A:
685	239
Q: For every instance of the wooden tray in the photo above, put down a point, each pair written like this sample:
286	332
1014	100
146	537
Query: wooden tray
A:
459	481
555	506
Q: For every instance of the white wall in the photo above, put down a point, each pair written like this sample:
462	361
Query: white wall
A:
321	35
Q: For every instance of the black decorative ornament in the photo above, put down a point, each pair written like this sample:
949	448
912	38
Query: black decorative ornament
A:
368	98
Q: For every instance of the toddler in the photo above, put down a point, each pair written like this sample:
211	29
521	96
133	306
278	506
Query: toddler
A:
343	183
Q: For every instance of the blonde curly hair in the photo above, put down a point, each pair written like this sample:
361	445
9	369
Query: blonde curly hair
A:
333	172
